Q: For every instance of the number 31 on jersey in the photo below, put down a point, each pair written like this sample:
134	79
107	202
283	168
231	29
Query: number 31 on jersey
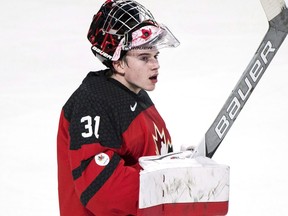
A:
87	120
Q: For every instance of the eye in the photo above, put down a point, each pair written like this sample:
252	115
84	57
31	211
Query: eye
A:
144	58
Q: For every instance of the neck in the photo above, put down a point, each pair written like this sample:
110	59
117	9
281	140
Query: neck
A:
121	78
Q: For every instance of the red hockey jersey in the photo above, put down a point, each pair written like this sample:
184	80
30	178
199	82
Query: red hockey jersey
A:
104	128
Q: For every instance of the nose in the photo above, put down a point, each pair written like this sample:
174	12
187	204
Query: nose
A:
155	64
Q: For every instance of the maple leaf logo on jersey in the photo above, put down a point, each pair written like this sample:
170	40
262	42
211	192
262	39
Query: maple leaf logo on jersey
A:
102	159
161	143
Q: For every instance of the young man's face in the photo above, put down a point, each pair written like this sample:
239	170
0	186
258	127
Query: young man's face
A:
141	69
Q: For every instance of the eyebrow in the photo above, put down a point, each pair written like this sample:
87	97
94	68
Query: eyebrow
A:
145	54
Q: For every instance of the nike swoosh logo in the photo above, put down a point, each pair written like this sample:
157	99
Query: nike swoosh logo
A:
133	108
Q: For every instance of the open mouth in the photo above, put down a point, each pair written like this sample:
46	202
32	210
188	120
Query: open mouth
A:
154	77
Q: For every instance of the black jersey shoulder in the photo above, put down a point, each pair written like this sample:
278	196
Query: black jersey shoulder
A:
116	105
109	89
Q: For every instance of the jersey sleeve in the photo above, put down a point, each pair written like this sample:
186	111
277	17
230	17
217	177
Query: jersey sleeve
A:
102	182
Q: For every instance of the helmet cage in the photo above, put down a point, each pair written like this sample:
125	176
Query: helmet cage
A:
125	16
112	31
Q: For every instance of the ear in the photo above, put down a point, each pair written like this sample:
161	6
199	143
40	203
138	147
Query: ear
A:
119	67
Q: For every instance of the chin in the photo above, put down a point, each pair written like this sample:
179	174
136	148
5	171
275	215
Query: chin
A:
150	88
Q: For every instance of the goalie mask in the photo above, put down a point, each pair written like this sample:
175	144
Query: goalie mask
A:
122	25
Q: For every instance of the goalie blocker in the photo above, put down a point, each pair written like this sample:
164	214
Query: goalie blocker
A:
176	184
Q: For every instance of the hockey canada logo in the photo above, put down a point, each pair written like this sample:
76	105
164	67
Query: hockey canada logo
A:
162	145
102	159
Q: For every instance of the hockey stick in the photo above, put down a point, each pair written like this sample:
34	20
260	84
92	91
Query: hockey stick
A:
277	15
